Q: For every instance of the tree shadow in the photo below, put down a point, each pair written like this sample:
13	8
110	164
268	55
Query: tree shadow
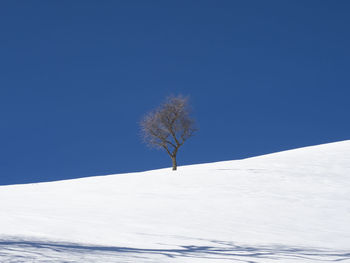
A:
19	250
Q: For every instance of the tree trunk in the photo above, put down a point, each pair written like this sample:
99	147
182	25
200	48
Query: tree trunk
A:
174	163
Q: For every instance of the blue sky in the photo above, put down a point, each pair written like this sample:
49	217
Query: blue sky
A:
76	77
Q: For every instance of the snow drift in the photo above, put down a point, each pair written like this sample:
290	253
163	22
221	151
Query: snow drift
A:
292	206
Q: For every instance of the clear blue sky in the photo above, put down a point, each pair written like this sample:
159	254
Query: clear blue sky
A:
76	77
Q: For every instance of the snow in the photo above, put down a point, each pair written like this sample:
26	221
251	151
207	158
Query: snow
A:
292	206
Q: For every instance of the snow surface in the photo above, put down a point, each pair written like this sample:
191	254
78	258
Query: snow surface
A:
292	206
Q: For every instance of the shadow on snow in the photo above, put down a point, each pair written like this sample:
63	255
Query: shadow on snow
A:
14	249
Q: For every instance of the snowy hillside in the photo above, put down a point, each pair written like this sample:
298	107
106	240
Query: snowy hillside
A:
292	206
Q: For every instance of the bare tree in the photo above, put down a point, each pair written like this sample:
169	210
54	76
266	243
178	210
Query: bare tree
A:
169	126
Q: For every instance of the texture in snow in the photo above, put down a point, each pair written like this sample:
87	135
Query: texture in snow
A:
291	206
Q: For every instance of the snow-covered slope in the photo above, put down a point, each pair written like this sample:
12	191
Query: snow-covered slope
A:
292	206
